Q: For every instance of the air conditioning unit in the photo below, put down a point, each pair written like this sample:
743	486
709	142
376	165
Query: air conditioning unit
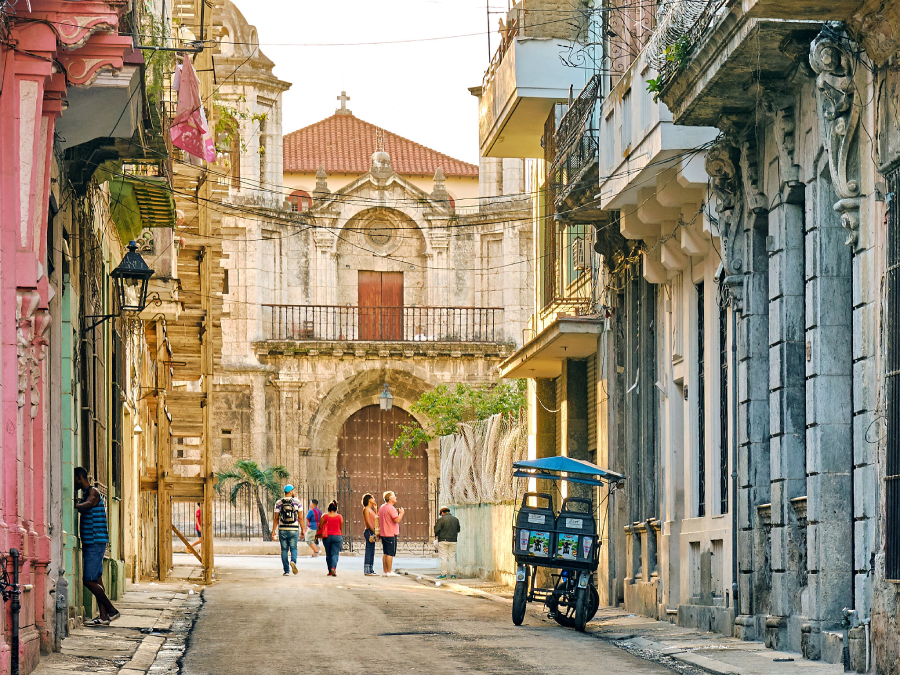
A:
579	254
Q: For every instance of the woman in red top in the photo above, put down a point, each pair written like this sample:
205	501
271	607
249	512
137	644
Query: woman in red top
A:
330	529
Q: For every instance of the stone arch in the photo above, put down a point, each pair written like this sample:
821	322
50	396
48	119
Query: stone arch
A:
351	390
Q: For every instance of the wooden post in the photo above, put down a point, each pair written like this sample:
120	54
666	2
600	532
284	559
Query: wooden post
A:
163	460
207	347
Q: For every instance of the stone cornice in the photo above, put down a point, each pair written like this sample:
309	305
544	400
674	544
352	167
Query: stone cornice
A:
392	350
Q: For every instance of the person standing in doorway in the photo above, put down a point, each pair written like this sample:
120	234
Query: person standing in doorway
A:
287	522
94	538
446	529
370	518
389	528
313	516
331	529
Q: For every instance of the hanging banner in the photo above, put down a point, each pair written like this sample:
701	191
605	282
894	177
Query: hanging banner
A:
190	130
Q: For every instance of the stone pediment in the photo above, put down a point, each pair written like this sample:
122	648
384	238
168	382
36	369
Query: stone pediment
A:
390	191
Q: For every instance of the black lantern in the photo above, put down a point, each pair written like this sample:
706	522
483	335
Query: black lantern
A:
131	278
386	400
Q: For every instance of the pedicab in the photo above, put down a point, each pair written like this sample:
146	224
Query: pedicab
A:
567	541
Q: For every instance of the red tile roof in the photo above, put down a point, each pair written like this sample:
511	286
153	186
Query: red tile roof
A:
345	144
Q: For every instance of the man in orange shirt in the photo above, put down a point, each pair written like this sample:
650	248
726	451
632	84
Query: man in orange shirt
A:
388	528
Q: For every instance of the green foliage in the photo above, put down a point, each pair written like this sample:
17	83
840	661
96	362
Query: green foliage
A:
446	407
679	50
654	86
247	475
228	125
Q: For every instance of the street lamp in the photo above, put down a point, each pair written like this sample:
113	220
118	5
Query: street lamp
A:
386	400
131	278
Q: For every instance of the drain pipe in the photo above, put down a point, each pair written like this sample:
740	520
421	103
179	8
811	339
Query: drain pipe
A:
734	457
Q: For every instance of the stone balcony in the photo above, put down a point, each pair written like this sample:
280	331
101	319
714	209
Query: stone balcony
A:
734	57
383	331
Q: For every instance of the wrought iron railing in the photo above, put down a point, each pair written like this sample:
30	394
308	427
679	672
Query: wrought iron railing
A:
575	142
382	324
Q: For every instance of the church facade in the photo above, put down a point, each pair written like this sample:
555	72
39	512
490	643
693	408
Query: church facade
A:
379	279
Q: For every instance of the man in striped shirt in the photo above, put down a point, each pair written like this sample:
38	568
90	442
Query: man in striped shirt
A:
94	535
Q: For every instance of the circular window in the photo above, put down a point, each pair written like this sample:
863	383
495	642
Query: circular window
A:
380	232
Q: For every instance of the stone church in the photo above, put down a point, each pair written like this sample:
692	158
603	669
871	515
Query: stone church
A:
369	261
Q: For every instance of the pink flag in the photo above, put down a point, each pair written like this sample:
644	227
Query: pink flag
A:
190	130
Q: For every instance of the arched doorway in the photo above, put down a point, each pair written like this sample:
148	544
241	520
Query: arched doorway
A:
364	446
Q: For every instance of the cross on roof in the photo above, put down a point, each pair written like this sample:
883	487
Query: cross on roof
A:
343	98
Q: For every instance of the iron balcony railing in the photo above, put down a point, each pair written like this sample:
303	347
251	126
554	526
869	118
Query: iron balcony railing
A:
575	142
382	324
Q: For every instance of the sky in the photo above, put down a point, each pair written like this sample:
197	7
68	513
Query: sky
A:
418	90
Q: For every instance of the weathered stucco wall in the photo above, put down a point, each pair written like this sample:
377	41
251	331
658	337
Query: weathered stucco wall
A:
485	541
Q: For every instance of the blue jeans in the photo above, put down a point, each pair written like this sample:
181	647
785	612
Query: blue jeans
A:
332	545
369	560
288	540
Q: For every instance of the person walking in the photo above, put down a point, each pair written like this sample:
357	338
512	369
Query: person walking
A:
313	516
331	529
370	518
446	529
94	534
287	522
198	525
389	529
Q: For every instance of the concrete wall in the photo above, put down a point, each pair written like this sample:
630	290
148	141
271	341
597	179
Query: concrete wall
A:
485	541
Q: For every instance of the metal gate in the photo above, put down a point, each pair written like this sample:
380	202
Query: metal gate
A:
366	465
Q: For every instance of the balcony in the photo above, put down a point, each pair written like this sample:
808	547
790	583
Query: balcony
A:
525	79
712	80
337	323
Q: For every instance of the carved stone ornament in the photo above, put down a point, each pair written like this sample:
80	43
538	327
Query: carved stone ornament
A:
830	58
31	328
721	166
381	168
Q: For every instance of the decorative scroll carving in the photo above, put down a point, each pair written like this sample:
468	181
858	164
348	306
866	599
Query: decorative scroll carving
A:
876	26
757	204
31	328
785	139
721	166
75	23
831	59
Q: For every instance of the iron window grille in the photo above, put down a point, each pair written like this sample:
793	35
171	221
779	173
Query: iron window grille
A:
723	410
701	413
892	381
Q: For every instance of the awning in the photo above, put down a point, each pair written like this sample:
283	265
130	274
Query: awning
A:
546	468
566	338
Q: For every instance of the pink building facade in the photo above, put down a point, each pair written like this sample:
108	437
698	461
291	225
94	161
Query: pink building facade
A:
47	47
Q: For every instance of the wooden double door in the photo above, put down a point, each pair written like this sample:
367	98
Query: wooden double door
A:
364	446
380	305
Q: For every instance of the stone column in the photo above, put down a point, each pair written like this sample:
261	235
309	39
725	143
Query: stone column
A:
326	267
829	350
744	228
787	387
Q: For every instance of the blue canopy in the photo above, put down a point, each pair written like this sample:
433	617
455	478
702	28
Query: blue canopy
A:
539	468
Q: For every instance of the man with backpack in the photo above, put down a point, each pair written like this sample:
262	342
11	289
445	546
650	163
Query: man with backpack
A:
313	516
287	522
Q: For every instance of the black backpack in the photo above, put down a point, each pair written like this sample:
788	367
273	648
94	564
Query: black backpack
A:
287	514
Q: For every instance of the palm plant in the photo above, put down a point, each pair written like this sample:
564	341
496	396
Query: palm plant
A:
247	474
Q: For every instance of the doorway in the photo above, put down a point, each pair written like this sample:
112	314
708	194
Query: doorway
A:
380	303
364	446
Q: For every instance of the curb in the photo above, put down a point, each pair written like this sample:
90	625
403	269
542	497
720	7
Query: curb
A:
459	588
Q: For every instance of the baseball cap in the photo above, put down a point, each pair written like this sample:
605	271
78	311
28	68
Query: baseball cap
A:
288	488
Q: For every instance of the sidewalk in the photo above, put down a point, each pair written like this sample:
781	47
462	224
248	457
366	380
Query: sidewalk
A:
687	650
129	646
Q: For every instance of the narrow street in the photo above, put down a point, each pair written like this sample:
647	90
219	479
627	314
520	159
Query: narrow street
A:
256	620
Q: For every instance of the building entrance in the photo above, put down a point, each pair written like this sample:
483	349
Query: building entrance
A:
364	446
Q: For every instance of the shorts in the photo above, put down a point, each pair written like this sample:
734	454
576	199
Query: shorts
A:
389	545
198	532
310	537
92	561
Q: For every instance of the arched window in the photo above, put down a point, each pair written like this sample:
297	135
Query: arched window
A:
300	201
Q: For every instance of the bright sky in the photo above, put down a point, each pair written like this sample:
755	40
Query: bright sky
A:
418	90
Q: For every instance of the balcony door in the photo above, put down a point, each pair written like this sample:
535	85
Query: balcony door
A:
380	305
